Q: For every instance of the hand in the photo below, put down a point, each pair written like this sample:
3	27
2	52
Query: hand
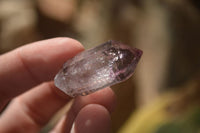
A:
34	66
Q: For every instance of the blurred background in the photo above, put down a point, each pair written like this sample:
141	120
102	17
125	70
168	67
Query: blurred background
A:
164	94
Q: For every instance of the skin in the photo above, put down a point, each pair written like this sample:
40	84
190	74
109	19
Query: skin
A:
26	79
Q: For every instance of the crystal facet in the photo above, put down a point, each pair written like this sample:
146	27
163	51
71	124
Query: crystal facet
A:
97	68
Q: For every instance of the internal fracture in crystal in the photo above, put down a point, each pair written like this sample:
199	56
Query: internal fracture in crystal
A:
94	69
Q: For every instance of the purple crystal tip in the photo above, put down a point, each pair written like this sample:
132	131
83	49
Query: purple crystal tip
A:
138	53
105	65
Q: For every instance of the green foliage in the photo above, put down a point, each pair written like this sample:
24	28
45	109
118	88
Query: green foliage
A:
190	123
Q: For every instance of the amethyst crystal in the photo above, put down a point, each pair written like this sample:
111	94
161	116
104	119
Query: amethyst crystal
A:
97	68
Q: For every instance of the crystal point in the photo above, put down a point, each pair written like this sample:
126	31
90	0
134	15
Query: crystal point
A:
97	68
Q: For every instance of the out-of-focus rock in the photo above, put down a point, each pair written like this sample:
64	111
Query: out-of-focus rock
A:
152	35
91	22
18	21
62	10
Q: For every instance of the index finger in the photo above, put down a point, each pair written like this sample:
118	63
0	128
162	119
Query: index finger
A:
33	64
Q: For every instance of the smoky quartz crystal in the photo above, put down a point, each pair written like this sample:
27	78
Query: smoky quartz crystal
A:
97	68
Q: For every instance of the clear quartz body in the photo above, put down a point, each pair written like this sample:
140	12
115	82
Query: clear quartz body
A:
97	68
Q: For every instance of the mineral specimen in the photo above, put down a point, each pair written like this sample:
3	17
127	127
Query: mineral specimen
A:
97	68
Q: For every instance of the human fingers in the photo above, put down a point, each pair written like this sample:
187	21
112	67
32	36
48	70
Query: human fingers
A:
93	118
104	97
33	64
30	111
